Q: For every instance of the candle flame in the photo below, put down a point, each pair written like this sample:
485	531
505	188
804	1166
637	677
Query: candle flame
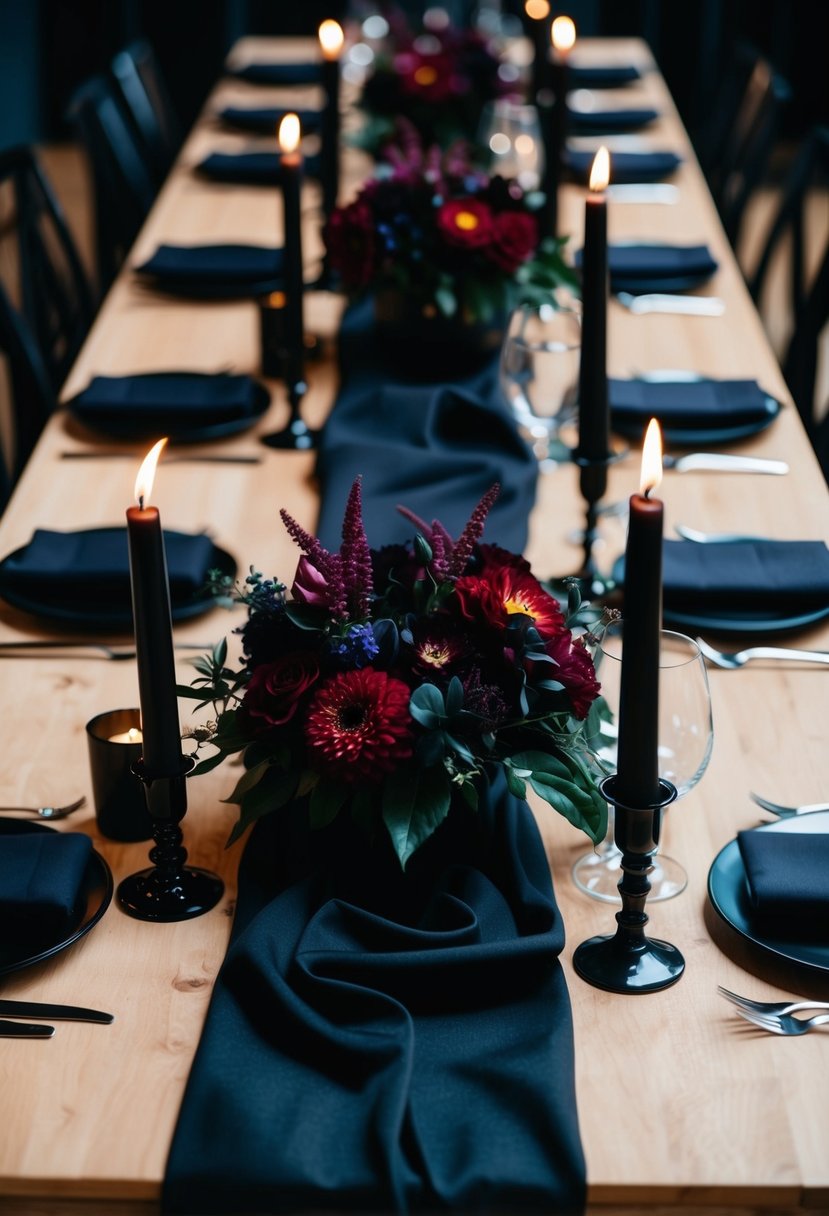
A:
600	172
146	474
289	133
331	39
563	34
651	459
134	735
538	10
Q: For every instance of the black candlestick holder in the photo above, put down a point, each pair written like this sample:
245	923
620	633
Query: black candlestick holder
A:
296	435
628	960
169	890
593	485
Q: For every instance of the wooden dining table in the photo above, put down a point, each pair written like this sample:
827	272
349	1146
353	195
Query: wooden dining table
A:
682	1105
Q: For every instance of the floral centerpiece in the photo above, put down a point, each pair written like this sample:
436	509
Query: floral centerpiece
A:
447	236
387	682
438	77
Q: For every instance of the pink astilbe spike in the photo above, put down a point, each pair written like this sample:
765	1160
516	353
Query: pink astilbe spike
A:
329	564
472	532
439	566
356	555
419	524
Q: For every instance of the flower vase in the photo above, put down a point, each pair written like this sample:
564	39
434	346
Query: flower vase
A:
419	342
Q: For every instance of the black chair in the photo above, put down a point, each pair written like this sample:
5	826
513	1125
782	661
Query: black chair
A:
147	103
743	159
807	300
41	271
32	396
123	185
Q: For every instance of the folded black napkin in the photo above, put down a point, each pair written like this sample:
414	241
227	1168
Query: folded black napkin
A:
93	564
249	168
786	874
435	448
649	262
778	575
711	404
214	263
601	75
41	881
599	121
279	73
167	402
266	120
625	166
381	1043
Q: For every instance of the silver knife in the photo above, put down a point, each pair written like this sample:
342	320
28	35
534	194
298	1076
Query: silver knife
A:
24	1030
61	1013
724	462
692	306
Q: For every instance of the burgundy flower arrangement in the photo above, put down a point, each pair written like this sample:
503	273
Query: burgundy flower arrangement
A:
440	231
438	78
387	682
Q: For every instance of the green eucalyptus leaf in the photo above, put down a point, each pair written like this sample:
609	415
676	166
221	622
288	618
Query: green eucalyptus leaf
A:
454	697
415	803
206	765
247	781
515	783
272	792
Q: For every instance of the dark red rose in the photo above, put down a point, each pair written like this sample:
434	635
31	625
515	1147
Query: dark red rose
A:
274	690
349	239
499	592
465	223
574	670
514	239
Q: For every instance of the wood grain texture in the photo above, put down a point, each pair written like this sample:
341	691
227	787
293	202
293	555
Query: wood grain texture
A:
681	1105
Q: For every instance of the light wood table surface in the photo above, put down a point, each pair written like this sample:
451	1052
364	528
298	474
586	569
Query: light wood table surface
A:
681	1105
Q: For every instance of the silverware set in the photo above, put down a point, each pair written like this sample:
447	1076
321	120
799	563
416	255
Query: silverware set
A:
37	1009
730	661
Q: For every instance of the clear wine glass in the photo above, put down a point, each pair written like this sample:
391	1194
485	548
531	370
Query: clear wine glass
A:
512	132
686	737
539	375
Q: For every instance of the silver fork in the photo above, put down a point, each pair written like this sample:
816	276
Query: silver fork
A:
768	1008
731	661
784	1023
45	812
786	812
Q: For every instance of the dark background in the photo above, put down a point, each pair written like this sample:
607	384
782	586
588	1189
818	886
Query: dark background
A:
48	47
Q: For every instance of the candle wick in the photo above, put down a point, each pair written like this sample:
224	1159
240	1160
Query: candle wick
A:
140	502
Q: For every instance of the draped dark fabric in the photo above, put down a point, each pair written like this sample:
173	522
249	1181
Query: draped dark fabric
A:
380	1041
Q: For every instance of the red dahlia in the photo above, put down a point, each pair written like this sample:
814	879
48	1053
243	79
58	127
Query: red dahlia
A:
500	592
358	726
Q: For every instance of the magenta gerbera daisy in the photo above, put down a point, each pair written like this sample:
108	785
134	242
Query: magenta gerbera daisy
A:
359	726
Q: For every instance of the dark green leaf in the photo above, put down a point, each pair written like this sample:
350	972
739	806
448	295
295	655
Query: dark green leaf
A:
271	793
516	785
205	766
454	697
327	799
415	802
247	781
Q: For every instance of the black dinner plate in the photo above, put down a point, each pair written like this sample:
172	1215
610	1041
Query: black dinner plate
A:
659	283
189	289
606	122
692	436
96	893
759	621
94	615
728	892
601	75
125	423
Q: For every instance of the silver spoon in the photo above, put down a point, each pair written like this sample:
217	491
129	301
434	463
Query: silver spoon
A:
786	812
45	812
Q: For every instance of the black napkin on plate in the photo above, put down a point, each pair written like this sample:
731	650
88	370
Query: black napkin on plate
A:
199	266
435	448
279	73
93	564
381	1043
786	874
599	121
266	120
751	576
625	166
167	401
694	403
649	262
601	75
41	881
249	168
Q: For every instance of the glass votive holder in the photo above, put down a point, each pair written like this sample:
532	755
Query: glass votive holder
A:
115	745
272	334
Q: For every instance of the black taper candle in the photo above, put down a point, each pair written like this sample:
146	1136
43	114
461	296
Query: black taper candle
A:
291	180
153	627
594	413
331	41
638	757
537	26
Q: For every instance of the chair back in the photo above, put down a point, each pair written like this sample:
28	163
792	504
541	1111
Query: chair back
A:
147	103
41	271
123	184
32	396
